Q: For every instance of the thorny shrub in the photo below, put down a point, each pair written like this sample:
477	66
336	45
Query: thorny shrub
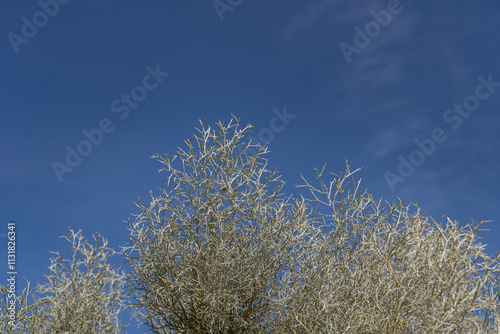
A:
222	250
83	294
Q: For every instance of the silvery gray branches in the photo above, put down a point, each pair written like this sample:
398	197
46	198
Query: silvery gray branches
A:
222	250
391	269
26	315
83	294
208	255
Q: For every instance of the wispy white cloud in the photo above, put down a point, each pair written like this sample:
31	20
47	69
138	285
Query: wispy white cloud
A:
332	21
395	136
339	16
327	13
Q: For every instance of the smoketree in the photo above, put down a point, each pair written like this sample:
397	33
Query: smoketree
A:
83	294
221	249
208	254
20	311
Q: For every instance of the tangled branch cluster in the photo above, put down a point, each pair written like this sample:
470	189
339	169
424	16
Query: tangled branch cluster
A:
222	250
83	294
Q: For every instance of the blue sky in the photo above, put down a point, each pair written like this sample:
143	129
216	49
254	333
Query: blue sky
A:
352	87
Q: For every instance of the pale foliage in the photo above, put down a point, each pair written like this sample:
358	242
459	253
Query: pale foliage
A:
391	270
27	311
207	255
221	250
83	294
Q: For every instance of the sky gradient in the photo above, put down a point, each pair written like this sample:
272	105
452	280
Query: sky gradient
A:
407	90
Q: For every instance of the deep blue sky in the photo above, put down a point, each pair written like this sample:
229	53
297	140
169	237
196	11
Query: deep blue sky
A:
261	56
